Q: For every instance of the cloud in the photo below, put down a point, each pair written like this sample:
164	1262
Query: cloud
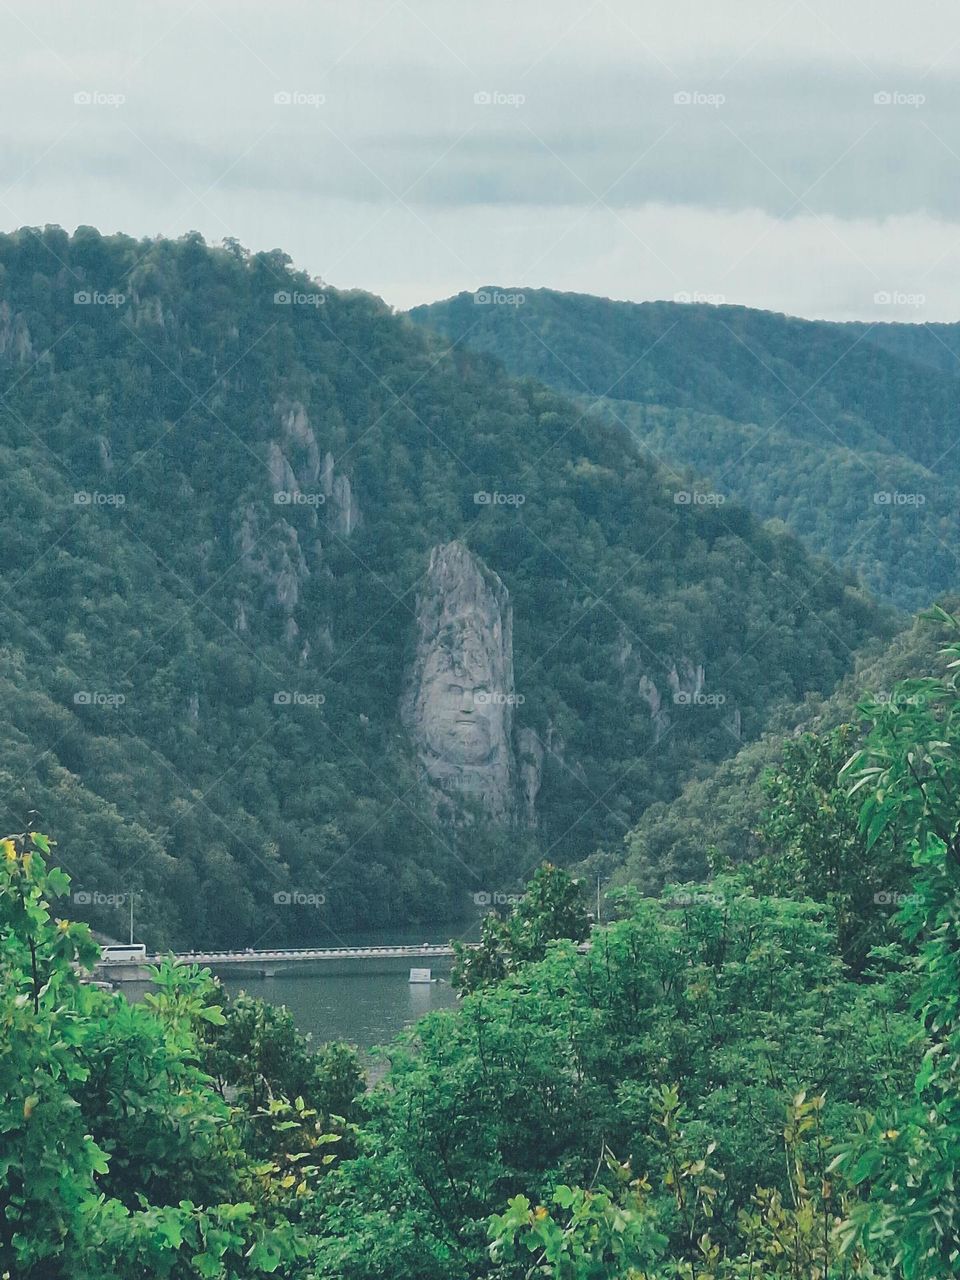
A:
798	154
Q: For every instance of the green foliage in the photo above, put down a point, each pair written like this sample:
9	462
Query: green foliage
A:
118	1158
716	821
601	1235
744	999
613	1233
814	846
199	599
801	421
908	1159
257	1053
550	908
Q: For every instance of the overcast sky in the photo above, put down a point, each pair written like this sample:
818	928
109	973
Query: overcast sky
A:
800	156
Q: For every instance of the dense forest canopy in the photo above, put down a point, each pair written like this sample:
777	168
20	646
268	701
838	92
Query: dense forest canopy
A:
716	1086
845	432
202	680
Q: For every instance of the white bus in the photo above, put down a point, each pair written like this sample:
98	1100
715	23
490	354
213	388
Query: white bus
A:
131	953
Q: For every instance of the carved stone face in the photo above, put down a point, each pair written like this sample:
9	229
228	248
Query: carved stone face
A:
457	701
462	722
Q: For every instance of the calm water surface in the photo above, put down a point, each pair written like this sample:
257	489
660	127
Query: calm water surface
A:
365	1009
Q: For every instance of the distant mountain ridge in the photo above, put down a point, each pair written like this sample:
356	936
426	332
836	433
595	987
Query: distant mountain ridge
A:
849	433
224	486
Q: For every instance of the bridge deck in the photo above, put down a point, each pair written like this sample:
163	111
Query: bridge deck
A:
308	953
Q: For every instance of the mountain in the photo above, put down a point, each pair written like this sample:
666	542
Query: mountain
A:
718	815
848	433
310	622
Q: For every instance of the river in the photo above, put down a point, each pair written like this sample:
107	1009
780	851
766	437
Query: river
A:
365	1009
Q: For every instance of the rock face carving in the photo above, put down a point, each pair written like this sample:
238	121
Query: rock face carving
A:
458	700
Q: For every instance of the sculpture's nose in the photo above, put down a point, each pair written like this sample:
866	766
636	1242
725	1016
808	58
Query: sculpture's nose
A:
466	701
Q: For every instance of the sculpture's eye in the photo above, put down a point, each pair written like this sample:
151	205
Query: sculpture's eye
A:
455	689
481	690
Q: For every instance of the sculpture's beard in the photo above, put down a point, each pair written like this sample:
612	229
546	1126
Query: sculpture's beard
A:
460	738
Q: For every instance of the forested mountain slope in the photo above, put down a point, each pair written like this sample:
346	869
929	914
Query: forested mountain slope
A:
238	509
850	433
716	819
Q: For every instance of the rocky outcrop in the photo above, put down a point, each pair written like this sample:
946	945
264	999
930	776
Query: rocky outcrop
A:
300	477
105	454
686	681
458	700
16	344
681	684
147	312
343	513
298	444
530	758
649	692
273	555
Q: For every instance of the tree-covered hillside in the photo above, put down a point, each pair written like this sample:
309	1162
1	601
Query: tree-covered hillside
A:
718	820
222	483
846	432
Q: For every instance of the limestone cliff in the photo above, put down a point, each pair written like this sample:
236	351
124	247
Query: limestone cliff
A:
16	343
458	700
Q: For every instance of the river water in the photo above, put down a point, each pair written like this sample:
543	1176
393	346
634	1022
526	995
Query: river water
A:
366	1008
363	1009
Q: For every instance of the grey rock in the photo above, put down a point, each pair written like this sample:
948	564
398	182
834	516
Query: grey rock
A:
458	700
15	341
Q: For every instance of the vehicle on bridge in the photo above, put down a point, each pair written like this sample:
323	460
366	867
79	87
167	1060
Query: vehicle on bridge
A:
131	953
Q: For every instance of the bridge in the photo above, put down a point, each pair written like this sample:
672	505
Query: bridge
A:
287	960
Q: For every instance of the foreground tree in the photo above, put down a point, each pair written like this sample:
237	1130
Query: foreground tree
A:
550	908
118	1157
814	847
907	1160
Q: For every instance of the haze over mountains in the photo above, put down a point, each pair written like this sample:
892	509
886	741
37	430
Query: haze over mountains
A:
247	512
849	433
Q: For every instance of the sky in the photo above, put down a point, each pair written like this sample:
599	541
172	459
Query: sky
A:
799	156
